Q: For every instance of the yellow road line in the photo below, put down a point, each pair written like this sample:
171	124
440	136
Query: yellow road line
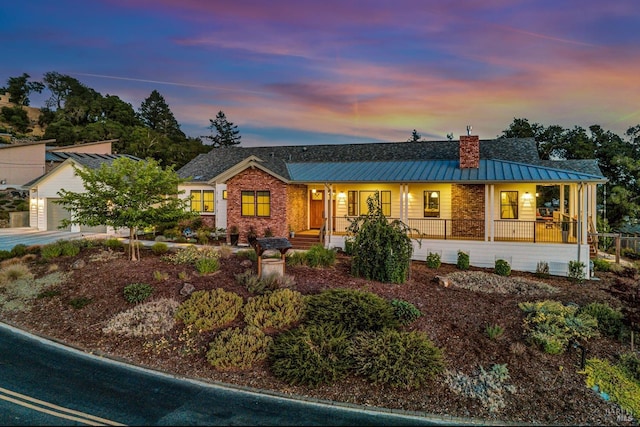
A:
82	417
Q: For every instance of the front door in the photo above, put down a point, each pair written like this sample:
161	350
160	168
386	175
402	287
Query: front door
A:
316	209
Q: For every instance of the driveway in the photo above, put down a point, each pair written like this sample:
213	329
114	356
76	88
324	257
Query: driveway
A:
9	237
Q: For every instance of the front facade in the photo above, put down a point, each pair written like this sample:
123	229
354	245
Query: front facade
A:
480	197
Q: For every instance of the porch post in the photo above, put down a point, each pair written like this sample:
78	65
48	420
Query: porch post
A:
487	217
401	202
561	201
406	203
492	224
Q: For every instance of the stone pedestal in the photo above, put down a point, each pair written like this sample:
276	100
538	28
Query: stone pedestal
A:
272	266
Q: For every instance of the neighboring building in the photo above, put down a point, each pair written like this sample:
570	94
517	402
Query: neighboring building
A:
22	162
478	196
44	214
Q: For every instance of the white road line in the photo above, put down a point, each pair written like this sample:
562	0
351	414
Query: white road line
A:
63	412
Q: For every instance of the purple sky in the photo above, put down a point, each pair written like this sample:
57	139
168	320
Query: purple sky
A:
324	71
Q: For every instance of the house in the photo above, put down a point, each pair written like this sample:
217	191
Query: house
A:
21	162
44	214
471	195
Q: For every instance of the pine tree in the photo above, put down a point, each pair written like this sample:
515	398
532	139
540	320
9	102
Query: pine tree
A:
415	136
226	133
156	115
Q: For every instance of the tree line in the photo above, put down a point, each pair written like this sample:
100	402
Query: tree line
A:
76	113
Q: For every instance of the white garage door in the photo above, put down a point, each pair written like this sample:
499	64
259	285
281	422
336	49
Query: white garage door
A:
56	213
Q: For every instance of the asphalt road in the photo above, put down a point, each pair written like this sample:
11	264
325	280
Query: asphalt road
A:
44	383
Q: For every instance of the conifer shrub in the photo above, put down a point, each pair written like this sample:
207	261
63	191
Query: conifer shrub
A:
137	292
19	250
311	355
615	381
276	310
463	261
395	358
208	310
502	268
610	320
404	311
50	251
160	248
354	309
238	349
113	243
433	260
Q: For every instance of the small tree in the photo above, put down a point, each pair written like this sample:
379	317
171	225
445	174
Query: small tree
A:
415	136
381	249
125	194
226	133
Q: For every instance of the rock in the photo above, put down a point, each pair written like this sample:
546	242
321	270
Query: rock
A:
443	281
246	263
187	289
78	264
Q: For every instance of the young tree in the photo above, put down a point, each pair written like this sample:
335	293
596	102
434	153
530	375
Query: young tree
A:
19	89
381	249
126	194
226	133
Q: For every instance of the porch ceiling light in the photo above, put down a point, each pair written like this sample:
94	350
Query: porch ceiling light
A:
313	190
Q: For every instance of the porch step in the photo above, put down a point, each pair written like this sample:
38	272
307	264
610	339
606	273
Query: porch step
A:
302	241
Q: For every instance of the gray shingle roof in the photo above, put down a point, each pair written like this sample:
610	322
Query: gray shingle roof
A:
521	150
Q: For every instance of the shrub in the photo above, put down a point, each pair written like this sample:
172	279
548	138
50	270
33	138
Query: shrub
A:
190	254
276	310
382	249
487	386
208	310
404	311
19	250
160	248
319	256
433	260
356	310
151	318
542	269
207	265
225	251
614	381
576	271
494	331
137	292
610	320
395	358
630	362
160	276
463	261
311	355
49	293
600	264
68	248
552	325
51	250
237	348
295	258
248	254
4	254
502	268
113	243
80	302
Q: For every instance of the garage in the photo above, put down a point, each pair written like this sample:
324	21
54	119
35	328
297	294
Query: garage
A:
56	213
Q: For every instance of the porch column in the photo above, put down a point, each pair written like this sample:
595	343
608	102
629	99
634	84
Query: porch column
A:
406	203
401	202
491	212
561	201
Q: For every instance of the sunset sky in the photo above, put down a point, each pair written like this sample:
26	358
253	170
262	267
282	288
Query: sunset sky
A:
346	71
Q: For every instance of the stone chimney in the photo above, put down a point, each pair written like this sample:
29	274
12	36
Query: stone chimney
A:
469	152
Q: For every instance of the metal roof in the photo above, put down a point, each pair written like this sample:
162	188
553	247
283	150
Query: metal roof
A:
432	171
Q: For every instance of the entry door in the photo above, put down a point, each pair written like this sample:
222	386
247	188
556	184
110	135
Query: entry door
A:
316	209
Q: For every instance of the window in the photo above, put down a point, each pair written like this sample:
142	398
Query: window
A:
256	203
385	201
431	204
352	203
224	194
509	205
202	200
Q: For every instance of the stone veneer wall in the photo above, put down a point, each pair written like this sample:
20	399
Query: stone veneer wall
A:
467	202
253	179
297	207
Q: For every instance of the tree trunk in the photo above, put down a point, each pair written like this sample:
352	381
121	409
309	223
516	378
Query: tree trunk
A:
133	247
